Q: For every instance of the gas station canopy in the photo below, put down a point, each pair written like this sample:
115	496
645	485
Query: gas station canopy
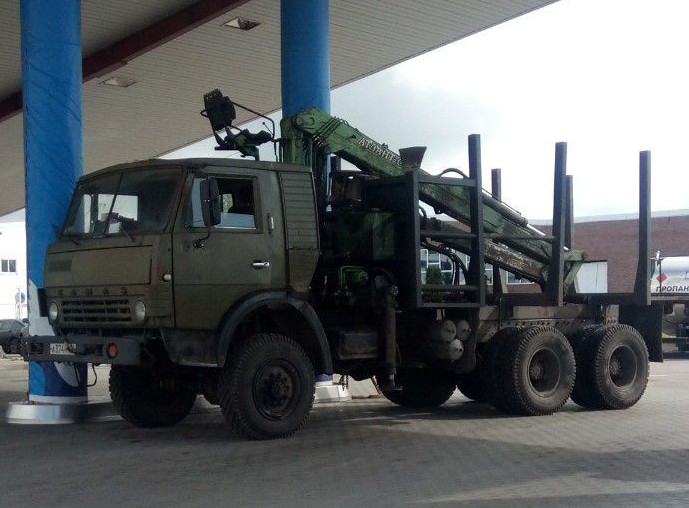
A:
147	64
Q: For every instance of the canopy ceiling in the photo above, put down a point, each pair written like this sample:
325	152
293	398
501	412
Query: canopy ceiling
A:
176	50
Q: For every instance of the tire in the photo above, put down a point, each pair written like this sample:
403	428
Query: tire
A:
14	346
266	389
490	376
580	336
471	385
614	369
537	371
582	394
422	388
140	399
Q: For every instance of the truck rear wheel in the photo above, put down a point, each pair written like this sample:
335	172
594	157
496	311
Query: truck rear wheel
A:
471	386
490	376
266	389
140	398
613	368
536	371
421	388
583	394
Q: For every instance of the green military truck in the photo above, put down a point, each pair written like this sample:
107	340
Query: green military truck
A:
240	280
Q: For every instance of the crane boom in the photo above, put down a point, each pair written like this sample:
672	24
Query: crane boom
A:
516	246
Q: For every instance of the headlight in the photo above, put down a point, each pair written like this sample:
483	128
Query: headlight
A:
139	311
53	312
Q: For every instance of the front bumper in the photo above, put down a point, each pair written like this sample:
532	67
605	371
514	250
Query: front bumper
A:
81	349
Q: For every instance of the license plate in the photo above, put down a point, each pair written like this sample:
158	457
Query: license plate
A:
62	348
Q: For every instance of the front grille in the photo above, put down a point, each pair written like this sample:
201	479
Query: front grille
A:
96	311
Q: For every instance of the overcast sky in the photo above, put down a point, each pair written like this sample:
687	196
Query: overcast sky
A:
608	76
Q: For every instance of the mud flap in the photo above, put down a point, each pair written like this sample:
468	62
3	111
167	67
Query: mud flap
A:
648	320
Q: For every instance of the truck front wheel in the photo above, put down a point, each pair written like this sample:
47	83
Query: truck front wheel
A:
140	397
266	388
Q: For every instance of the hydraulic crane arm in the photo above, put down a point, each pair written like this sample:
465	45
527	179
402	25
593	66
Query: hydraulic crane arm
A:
313	132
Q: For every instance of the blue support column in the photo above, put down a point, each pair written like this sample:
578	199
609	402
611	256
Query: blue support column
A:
51	86
305	47
305	55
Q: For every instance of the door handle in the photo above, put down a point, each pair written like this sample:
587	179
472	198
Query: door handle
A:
259	265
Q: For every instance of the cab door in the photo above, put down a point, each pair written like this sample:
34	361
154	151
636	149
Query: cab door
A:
243	254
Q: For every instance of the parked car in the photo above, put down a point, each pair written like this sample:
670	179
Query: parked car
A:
11	331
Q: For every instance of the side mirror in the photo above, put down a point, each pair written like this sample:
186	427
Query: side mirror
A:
210	202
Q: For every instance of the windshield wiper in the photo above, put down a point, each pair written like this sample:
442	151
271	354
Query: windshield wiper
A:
72	237
126	233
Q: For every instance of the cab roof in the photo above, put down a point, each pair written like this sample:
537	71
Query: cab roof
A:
198	163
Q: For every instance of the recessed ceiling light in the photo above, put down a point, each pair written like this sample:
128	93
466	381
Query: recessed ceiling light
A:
242	23
118	81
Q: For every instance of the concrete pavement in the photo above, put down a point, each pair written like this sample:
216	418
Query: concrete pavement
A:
365	453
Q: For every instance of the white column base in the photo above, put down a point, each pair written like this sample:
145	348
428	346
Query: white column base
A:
100	409
326	391
96	409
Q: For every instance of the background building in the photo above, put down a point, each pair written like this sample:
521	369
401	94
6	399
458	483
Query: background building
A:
615	238
611	238
12	265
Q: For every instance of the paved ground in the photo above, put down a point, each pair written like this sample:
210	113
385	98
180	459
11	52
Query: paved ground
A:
365	453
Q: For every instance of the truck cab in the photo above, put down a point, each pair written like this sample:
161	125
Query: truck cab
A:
141	278
135	257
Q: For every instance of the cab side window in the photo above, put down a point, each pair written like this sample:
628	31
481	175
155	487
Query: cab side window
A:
237	204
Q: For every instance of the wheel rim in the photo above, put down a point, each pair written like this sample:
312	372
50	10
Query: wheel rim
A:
274	389
544	372
623	366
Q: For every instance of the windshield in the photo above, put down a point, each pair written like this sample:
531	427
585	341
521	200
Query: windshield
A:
122	203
